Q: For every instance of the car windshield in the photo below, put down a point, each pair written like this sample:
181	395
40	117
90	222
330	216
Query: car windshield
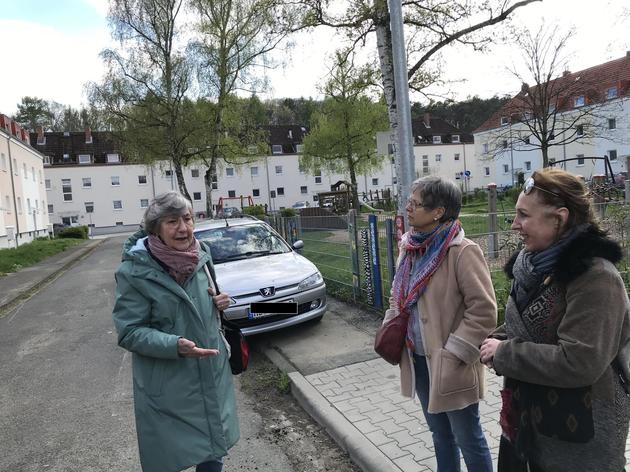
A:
241	242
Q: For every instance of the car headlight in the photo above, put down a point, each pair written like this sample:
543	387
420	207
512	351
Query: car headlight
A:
314	279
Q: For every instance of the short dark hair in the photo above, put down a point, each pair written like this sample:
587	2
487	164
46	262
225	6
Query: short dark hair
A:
439	192
166	204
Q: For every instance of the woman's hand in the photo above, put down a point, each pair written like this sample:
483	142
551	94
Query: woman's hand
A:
221	301
187	348
488	348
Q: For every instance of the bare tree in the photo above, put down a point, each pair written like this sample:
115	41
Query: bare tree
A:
559	107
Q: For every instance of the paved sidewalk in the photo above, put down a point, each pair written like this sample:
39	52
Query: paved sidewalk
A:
16	286
361	407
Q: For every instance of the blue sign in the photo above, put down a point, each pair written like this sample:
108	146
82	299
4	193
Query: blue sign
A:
467	173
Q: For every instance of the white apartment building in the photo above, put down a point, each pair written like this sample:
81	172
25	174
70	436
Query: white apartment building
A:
503	162
439	149
22	195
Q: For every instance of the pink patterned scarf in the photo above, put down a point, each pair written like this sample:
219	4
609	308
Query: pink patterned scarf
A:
180	263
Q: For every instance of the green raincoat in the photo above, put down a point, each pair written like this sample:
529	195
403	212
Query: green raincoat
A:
185	408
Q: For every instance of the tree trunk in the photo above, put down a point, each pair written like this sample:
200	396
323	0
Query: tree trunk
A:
207	180
545	155
181	185
384	47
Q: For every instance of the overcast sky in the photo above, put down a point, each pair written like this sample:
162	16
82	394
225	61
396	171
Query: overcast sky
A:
51	50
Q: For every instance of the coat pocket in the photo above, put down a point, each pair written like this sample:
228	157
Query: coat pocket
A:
154	385
454	374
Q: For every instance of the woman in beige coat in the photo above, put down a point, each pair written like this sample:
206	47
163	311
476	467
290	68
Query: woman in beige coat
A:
444	284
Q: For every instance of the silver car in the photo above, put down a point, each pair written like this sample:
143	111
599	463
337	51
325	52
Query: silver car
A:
254	265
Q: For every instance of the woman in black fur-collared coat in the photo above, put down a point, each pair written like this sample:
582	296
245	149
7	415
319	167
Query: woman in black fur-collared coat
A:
564	403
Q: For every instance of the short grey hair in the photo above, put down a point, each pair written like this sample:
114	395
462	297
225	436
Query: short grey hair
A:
437	192
166	204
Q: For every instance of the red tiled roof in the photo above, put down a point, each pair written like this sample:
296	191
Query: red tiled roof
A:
593	83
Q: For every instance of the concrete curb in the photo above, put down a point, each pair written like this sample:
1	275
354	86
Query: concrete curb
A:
26	290
362	452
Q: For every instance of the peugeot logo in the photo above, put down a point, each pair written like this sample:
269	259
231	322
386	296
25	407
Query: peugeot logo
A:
268	291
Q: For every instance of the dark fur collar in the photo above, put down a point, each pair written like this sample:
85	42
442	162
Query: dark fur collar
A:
578	256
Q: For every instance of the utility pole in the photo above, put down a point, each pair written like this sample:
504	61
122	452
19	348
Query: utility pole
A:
401	84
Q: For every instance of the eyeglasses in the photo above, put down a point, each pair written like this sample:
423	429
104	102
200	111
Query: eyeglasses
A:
414	204
530	184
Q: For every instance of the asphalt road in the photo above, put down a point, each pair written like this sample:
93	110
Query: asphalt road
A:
66	399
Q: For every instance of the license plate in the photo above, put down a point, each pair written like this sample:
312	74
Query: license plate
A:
262	309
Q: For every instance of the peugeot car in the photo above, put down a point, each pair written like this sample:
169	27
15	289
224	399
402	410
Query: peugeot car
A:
271	286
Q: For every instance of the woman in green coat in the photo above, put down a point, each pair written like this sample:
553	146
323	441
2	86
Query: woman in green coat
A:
166	315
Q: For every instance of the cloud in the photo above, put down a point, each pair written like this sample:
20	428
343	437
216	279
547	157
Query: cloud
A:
49	63
101	6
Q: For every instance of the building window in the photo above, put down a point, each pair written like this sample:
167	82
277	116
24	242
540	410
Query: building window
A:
276	149
527	139
51	209
506	168
19	205
254	171
504	144
15	167
115	180
485	148
119	223
168	173
438	158
251	149
85	159
194	173
299	148
117	204
229	171
87	182
456	157
425	164
278	170
33	174
455	138
40	176
486	171
46	160
197	196
612	155
580	159
231	193
142	180
47	184
3	162
25	171
89	207
578	101
611	93
303	189
437	139
505	121
528	165
113	158
375	182
280	191
612	123
215	182
256	192
579	130
318	177
66	188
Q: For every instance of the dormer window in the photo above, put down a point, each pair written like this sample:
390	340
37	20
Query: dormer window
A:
46	160
611	93
299	148
290	135
505	121
437	139
113	158
276	149
66	157
455	138
578	101
66	133
85	159
41	140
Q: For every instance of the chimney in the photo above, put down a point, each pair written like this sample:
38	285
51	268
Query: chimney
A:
427	119
41	139
566	73
88	136
627	53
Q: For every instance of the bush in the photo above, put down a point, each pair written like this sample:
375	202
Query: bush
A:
287	212
255	210
78	232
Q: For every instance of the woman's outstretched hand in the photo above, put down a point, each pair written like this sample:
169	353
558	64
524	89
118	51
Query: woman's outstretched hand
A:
187	348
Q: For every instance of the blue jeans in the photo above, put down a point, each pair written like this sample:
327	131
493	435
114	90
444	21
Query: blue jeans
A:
453	431
210	466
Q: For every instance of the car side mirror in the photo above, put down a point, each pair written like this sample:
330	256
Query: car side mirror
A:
299	244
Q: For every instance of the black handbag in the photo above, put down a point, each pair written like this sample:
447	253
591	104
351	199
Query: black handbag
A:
231	333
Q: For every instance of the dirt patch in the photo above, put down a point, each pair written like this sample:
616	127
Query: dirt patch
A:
306	443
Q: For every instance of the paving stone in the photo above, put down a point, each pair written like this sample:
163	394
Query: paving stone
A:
408	464
379	439
403	438
392	450
354	415
389	426
419	451
376	416
365	426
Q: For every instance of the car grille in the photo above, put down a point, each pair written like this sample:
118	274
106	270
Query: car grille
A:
245	322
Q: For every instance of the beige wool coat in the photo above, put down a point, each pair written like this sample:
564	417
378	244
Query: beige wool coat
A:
457	312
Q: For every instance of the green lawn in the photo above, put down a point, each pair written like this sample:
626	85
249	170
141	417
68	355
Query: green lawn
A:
12	260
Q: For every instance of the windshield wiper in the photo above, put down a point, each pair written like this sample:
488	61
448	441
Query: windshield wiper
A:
245	255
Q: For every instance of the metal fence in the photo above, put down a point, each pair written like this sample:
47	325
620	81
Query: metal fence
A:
357	254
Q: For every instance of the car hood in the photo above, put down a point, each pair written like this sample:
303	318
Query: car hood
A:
250	275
